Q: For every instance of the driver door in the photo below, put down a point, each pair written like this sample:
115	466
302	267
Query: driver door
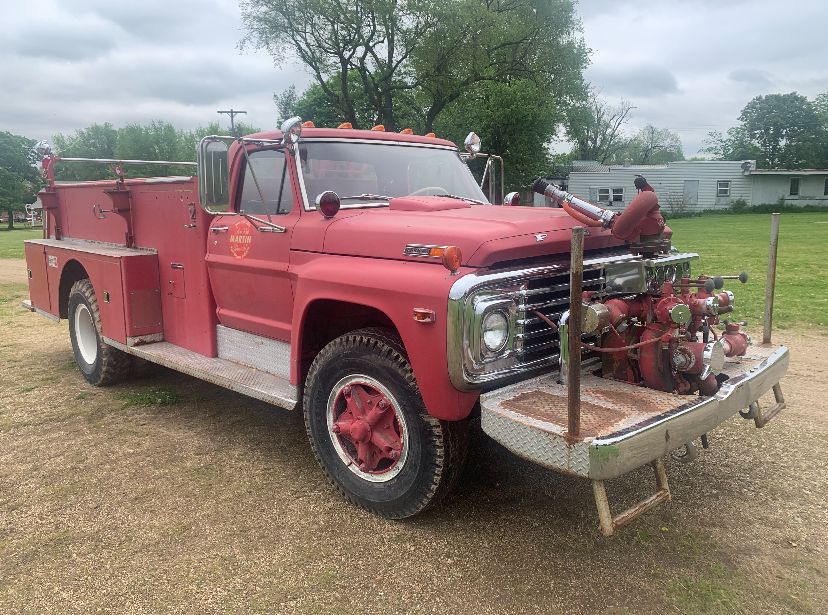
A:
248	260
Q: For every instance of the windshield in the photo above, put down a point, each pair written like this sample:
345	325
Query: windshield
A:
369	169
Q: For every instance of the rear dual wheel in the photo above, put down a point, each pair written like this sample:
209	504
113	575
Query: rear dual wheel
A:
370	431
100	363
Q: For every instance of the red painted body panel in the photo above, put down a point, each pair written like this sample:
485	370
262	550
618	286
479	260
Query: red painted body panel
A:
38	278
105	274
395	289
485	234
161	219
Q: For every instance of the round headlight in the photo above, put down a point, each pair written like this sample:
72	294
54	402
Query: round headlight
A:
495	331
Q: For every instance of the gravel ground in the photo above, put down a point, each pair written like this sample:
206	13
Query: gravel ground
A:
206	501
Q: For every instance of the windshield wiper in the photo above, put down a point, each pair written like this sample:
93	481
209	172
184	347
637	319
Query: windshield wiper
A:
460	198
365	196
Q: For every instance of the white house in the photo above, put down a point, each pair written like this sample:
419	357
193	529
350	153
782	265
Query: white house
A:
698	184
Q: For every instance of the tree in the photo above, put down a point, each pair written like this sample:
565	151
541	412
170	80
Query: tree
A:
784	126
734	145
95	141
653	145
777	130
157	140
515	120
19	177
596	127
420	54
285	102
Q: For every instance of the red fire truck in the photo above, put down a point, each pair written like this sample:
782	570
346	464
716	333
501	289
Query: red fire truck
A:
363	276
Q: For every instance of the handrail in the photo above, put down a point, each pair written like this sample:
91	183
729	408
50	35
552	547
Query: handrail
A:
117	161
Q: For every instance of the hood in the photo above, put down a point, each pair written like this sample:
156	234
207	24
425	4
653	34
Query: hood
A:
486	234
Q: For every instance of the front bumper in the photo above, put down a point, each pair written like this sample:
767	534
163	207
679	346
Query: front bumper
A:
623	426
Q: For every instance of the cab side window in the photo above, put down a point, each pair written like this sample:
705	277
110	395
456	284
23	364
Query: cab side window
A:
269	169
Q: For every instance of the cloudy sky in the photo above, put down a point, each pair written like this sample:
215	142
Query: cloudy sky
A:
687	65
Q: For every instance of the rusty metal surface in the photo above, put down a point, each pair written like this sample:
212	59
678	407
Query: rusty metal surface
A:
609	523
607	406
624	426
551	408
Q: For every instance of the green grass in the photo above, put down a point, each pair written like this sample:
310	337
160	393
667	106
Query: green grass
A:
150	397
11	242
711	592
729	244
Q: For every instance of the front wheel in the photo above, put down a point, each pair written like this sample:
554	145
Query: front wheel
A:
370	431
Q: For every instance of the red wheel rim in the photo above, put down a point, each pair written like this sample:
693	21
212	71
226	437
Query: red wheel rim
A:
367	428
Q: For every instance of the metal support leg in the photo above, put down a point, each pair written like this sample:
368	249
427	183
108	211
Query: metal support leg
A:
763	417
609	523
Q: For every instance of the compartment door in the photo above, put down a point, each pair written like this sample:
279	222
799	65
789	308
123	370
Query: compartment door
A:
36	266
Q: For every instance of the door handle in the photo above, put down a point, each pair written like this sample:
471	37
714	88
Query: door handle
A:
219	229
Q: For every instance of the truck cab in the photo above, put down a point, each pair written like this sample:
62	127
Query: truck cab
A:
364	277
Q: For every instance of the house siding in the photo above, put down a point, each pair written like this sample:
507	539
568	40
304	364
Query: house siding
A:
668	182
768	189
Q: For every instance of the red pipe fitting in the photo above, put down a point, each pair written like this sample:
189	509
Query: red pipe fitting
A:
735	342
641	217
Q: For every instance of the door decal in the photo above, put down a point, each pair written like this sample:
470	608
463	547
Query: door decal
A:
241	238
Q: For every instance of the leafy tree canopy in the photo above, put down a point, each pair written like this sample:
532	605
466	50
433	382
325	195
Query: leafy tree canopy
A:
431	65
19	176
157	140
778	131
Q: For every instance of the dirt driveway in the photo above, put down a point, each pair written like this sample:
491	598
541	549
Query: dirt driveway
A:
206	501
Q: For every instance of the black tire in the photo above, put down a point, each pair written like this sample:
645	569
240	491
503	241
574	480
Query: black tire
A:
435	450
100	363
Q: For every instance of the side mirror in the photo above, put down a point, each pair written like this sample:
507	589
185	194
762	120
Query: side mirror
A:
472	144
213	175
291	130
512	199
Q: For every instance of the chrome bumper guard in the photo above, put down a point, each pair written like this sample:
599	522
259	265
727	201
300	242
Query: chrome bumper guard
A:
631	426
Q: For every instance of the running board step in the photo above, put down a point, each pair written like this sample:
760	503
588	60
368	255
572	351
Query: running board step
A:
240	378
609	523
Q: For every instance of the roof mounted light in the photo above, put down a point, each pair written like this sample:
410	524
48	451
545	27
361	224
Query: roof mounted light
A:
472	144
328	203
291	130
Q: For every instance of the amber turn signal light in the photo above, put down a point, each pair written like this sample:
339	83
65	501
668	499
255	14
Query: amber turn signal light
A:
407	131
308	124
379	128
345	125
452	258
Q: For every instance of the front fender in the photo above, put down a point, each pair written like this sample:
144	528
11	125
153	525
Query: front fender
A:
394	288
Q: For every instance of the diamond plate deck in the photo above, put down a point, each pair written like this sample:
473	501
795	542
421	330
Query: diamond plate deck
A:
618	419
240	378
255	351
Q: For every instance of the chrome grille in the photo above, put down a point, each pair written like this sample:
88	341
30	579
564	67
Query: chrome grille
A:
549	295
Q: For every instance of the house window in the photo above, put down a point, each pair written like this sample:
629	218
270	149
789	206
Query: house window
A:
723	188
617	195
603	195
794	191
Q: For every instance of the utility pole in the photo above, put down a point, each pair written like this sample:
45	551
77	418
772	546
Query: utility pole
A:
232	113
